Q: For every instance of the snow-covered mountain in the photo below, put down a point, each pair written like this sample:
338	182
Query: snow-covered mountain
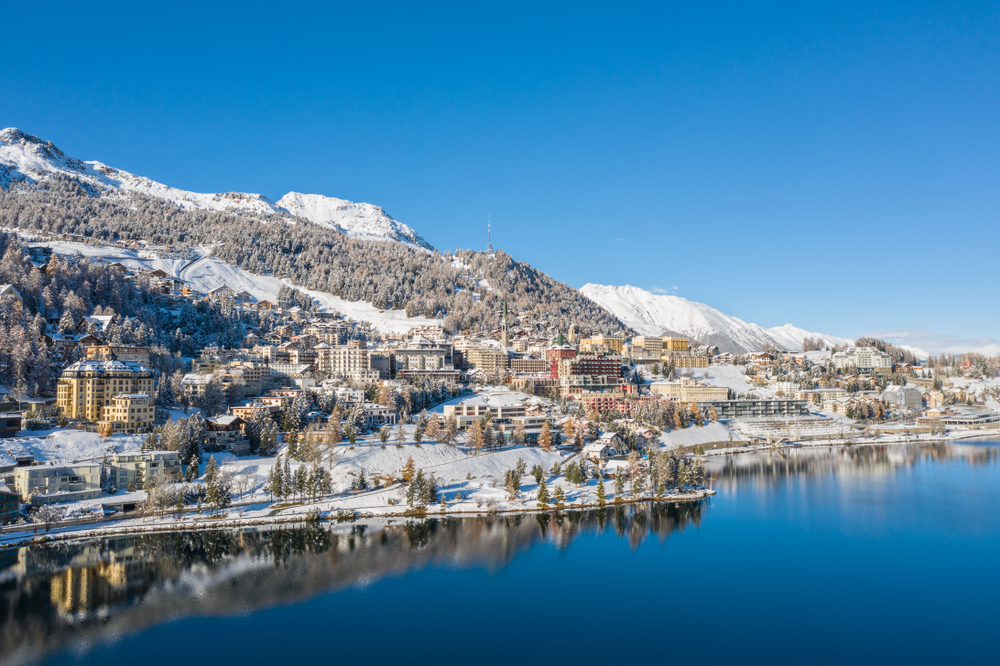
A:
27	158
653	314
359	220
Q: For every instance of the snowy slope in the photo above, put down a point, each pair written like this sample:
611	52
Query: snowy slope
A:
24	157
207	272
358	220
790	337
652	314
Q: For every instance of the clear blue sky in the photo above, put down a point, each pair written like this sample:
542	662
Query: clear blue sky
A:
837	168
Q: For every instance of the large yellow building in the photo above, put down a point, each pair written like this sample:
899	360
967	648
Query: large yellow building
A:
87	386
613	343
648	344
685	360
129	413
676	344
118	353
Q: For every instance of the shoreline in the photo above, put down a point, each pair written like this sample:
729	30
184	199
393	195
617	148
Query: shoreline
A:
877	441
332	517
332	514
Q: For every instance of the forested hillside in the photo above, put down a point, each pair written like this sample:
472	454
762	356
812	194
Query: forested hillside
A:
386	274
71	288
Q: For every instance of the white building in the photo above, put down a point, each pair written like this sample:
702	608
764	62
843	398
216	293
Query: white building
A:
865	359
44	484
903	397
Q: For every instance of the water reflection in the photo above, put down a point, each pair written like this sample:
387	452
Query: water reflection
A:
78	595
768	468
81	595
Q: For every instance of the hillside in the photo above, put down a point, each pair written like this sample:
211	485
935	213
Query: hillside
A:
358	220
653	314
29	159
343	254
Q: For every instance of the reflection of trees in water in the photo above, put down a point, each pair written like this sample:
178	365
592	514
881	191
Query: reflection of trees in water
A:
57	594
773	467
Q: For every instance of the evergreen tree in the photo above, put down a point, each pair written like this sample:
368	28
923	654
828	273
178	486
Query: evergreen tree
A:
601	498
360	482
211	471
543	493
194	463
619	484
560	496
276	482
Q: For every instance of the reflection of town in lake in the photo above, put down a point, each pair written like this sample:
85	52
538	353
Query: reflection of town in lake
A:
59	596
776	466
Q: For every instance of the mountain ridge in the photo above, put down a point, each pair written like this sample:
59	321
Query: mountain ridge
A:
652	314
25	157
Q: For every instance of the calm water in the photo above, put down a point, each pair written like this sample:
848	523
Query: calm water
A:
845	556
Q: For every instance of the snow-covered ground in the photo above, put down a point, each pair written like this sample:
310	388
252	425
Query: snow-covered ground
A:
729	376
206	273
67	446
651	314
358	220
712	434
26	157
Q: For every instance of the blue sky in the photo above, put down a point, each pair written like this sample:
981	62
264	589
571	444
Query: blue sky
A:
835	167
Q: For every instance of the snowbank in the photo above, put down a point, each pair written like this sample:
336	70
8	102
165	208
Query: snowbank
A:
713	434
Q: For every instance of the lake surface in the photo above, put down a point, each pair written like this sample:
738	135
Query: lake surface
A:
878	555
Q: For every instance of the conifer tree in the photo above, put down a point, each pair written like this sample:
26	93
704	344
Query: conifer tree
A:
519	434
409	470
545	438
450	430
619	484
475	437
192	468
560	496
433	428
288	481
543	492
211	471
601	499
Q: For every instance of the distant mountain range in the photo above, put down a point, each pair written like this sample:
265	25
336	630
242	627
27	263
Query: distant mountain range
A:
29	159
655	314
24	157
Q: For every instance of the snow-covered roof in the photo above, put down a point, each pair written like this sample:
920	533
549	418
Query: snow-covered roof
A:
106	366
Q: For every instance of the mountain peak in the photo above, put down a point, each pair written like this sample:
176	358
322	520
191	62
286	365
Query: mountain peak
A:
28	158
359	220
652	314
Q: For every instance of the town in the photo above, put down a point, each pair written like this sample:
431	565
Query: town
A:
307	404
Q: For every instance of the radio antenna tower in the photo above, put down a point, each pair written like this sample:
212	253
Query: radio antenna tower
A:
489	234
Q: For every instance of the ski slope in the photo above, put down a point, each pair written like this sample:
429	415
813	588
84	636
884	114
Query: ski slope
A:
205	273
